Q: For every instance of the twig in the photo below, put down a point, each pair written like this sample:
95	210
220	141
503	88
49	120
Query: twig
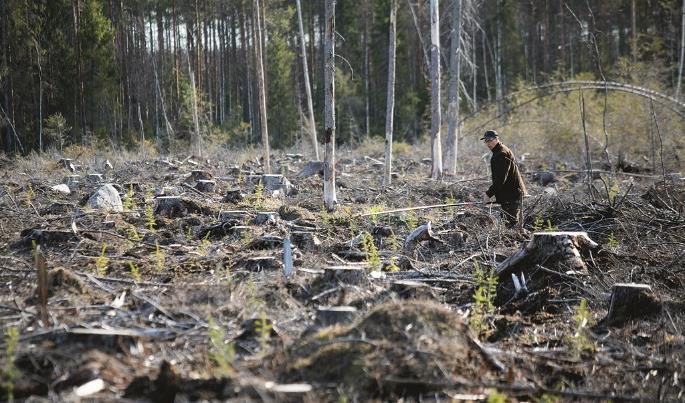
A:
423	208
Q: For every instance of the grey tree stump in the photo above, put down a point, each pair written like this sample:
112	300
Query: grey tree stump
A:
206	186
175	207
352	275
631	301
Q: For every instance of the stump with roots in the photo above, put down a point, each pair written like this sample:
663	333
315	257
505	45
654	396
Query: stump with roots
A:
560	250
548	258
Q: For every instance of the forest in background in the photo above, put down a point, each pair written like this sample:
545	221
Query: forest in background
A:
123	73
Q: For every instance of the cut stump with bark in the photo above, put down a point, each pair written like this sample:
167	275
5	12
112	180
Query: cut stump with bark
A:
562	250
631	301
333	315
353	275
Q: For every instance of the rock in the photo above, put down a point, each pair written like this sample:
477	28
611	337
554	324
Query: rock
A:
205	186
549	191
106	198
61	188
333	315
631	301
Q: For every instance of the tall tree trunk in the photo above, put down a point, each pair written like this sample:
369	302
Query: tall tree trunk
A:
453	96
257	30
436	147
367	119
311	123
390	110
682	53
499	80
196	139
329	198
633	28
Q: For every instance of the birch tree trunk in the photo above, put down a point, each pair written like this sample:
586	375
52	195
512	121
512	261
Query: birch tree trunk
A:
310	107
453	96
436	148
367	120
391	92
257	30
682	53
329	198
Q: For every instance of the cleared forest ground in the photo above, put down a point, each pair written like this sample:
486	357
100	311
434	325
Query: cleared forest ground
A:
155	303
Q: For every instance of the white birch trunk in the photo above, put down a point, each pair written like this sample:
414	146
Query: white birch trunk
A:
436	148
389	113
453	95
305	69
329	197
682	53
260	85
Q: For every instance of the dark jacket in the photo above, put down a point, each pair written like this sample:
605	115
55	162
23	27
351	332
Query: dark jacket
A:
507	183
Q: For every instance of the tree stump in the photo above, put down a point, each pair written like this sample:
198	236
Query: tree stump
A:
306	241
206	186
265	217
175	207
333	315
553	249
352	275
234	196
273	184
408	289
310	169
630	301
198	174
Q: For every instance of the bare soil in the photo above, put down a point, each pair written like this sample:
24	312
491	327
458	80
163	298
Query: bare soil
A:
211	284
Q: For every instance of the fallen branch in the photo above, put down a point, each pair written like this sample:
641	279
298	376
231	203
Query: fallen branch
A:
423	208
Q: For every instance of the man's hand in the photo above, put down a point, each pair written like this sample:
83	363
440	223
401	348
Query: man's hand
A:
486	198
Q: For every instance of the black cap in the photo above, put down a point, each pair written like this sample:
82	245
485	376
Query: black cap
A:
489	135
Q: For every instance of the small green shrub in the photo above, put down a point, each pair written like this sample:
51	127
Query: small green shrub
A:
10	372
483	298
101	261
222	354
373	257
579	341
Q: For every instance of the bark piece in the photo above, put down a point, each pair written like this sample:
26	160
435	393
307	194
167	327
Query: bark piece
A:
333	315
106	198
560	250
631	301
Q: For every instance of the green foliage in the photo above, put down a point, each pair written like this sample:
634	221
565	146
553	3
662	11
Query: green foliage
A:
55	129
392	266
205	243
483	298
411	220
612	242
10	372
133	233
394	243
257	197
101	261
538	223
325	216
135	272
129	201
373	257
496	397
150	222
579	341
263	329
373	211
30	194
550	227
159	257
222	354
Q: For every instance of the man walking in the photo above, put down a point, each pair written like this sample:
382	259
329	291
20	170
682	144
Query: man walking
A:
507	183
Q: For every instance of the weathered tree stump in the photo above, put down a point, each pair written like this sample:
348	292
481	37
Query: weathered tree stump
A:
175	207
233	215
198	174
304	240
551	249
67	163
310	169
265	217
631	301
261	263
333	315
408	289
273	184
94	178
352	275
206	186
234	196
